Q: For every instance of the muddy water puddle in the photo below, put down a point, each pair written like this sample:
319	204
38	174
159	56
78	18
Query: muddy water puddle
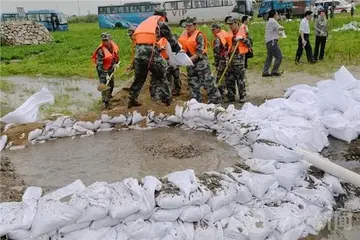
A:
71	95
114	156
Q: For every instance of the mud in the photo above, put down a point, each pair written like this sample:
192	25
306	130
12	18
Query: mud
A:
11	184
114	156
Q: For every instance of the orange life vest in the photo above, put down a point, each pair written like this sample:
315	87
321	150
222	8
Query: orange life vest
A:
224	38
244	28
242	48
145	33
189	43
109	57
162	46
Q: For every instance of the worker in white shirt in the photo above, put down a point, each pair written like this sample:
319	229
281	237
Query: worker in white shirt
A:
303	40
352	8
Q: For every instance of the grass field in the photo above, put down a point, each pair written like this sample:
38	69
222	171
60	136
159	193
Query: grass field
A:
69	55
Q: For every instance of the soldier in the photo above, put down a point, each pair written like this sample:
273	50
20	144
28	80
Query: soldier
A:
131	31
194	43
106	58
220	48
236	72
148	58
173	72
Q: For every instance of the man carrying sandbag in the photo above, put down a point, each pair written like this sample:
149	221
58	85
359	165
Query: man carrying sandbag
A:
106	58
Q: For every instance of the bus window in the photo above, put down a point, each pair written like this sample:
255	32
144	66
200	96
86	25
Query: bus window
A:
198	4
240	7
44	17
213	3
108	10
102	10
61	18
134	9
227	3
33	17
171	5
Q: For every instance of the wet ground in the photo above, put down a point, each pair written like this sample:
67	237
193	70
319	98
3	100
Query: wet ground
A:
114	156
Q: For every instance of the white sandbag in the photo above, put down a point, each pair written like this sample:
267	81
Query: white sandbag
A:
166	215
334	183
321	196
19	215
294	88
28	111
346	134
279	153
74	227
243	194
19	234
287	216
258	184
223	195
150	185
52	214
105	118
94	201
137	117
180	231
221	213
303	96
34	134
234	230
292	234
141	229
105	126
353	113
274	195
63	132
262	166
3	141
185	180
313	140
326	99
126	198
107	221
209	232
287	174
200	196
194	213
167	200
89	125
345	79
85	234
119	119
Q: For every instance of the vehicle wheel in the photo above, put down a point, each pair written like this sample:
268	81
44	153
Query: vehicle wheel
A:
118	25
182	23
227	18
343	11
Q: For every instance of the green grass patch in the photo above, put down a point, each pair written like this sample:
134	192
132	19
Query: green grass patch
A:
6	86
70	53
72	89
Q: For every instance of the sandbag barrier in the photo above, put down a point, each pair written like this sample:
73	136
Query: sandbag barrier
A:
271	196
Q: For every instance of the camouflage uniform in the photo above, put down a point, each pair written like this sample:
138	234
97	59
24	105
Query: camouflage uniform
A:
236	72
106	95
147	57
199	75
221	58
173	76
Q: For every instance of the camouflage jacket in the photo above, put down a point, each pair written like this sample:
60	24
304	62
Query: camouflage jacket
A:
201	62
220	52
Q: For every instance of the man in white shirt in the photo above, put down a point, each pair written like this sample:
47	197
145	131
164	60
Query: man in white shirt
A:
352	8
303	40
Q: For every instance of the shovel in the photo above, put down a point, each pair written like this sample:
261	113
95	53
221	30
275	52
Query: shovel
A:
227	65
104	87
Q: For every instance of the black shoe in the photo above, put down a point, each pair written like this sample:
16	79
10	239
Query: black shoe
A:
134	103
229	100
266	75
277	74
167	102
106	105
176	94
312	62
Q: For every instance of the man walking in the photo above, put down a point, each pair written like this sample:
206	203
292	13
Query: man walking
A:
352	11
194	43
273	49
106	58
321	33
240	45
148	58
304	39
220	50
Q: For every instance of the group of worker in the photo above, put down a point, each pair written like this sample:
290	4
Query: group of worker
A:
152	37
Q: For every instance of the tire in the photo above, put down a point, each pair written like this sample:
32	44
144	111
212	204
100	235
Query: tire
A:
182	23
118	25
343	11
227	18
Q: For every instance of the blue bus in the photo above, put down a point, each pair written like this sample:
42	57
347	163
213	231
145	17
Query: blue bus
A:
51	19
289	8
124	16
6	17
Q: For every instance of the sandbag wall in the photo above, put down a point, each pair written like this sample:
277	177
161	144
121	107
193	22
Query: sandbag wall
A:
271	197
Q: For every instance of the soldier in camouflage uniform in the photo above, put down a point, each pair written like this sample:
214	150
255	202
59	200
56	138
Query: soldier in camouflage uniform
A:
220	56
173	75
236	71
103	73
147	57
199	75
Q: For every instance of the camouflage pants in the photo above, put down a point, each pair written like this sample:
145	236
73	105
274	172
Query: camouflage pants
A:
236	77
106	95
159	85
202	78
220	70
173	76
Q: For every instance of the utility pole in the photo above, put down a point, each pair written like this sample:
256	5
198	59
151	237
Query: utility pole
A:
78	4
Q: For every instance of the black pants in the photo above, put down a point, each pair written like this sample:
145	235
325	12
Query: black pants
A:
307	47
273	51
320	41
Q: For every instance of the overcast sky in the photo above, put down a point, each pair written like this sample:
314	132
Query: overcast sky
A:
70	7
